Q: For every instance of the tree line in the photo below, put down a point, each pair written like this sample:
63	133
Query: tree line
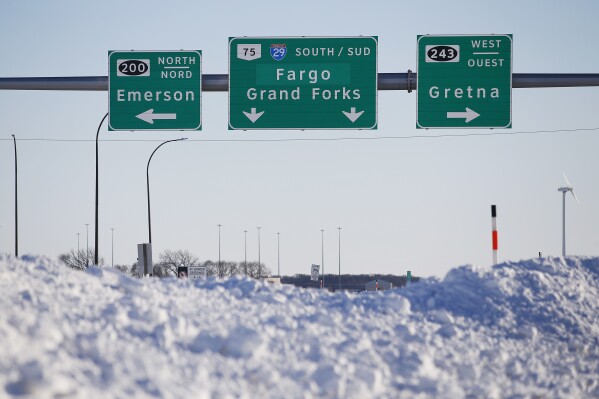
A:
168	263
170	260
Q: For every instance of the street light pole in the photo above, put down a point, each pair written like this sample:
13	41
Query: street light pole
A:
278	256
148	185
339	228
219	245
96	239
112	246
78	252
245	251
14	139
322	249
259	264
87	239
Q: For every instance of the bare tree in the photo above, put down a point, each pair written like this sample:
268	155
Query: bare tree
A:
225	269
251	270
79	261
130	270
169	261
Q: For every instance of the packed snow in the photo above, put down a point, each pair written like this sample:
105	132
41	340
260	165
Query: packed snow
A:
518	330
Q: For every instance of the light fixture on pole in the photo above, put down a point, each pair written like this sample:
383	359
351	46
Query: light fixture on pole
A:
148	185
259	264
564	190
219	225
339	228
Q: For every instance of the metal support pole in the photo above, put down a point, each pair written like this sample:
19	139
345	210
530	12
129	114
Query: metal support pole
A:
220	82
322	254
564	224
148	185
87	240
219	246
278	255
16	202
339	228
245	252
78	252
96	239
112	245
259	264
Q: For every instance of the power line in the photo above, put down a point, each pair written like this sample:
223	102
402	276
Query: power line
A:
418	136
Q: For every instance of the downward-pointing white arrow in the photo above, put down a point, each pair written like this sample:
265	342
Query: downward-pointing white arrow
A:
353	115
469	115
253	116
149	116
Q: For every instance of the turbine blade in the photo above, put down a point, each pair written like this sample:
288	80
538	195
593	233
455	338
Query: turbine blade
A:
566	179
575	197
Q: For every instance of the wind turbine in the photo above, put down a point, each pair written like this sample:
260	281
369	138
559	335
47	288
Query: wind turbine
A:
564	190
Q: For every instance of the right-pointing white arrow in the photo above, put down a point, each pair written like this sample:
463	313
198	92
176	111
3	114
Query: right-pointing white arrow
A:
468	115
353	115
253	115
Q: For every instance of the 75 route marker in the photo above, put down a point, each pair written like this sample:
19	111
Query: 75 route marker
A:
154	90
303	83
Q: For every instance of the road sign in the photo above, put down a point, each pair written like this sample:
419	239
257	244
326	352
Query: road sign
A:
464	81
154	90
197	272
315	272
303	83
182	271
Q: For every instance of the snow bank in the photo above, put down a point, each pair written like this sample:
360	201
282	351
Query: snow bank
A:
526	329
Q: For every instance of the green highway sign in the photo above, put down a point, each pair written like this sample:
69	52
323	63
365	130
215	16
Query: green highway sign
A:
464	81
302	83
154	90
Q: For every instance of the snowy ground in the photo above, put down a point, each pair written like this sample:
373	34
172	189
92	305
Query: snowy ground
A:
519	330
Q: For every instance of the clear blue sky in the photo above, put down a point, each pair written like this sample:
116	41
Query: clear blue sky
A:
420	204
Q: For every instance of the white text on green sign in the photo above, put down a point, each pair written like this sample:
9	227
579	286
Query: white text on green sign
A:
155	90
464	81
303	83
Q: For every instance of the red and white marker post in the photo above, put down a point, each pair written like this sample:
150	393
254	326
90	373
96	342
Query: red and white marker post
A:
494	222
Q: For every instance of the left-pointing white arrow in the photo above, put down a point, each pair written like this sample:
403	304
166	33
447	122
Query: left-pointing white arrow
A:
149	116
353	115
